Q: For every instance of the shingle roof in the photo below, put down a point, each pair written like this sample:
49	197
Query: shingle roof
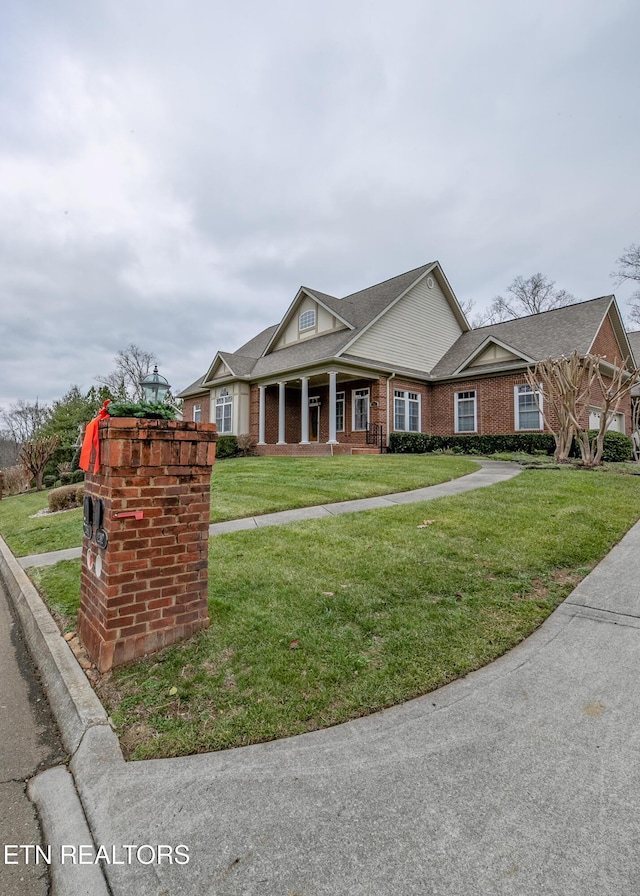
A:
550	333
634	342
194	389
358	309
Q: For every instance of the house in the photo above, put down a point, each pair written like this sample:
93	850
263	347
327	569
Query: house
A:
339	375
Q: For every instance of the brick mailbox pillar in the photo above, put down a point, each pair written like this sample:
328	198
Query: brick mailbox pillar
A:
146	536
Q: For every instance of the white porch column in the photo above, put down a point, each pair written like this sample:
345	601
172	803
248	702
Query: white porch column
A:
281	414
304	410
262	414
333	377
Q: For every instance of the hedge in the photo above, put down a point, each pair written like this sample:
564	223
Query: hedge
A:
616	447
423	443
226	446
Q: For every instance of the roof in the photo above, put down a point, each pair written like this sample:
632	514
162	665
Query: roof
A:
358	310
550	333
634	342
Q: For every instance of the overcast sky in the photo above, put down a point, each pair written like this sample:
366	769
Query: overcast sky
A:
172	172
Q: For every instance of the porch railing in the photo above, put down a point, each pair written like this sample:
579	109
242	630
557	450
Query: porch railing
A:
375	436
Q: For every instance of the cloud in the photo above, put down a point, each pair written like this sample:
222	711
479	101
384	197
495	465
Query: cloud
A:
170	176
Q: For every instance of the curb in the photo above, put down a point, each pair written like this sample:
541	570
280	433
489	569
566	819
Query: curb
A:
77	711
73	700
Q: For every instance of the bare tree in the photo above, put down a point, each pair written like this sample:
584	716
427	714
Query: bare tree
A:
35	454
131	365
568	385
523	297
564	393
629	269
23	421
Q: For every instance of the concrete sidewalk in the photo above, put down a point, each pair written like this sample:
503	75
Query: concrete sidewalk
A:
490	472
520	779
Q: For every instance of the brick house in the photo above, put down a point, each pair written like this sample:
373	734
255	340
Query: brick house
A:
340	375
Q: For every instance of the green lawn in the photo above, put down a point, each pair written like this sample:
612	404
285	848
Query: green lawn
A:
247	487
242	487
319	622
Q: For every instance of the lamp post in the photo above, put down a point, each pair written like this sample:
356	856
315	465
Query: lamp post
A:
154	387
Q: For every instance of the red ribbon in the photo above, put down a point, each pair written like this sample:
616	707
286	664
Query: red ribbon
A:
91	440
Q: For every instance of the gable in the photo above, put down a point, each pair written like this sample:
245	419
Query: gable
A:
415	332
219	370
494	353
306	319
607	344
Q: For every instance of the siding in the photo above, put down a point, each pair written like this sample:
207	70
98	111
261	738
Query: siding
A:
416	332
325	323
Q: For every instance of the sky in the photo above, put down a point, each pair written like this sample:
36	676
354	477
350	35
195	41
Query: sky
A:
172	172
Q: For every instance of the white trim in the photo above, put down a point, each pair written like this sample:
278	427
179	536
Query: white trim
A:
519	357
526	389
302	293
341	397
222	402
362	394
456	416
197	409
405	397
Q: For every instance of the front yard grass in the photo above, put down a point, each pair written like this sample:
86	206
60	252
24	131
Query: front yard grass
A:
323	621
243	487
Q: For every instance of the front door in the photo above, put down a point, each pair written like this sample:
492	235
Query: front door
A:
314	423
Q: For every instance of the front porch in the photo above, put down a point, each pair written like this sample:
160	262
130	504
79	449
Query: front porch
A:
319	414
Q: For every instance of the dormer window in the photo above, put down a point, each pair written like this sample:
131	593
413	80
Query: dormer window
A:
307	319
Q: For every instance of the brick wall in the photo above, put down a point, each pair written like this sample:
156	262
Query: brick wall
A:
204	402
606	344
148	587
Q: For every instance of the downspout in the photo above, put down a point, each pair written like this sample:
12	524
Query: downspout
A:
393	375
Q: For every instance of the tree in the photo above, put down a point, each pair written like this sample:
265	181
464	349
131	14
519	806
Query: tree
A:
69	413
131	365
629	269
23	421
568	386
562	381
35	454
531	296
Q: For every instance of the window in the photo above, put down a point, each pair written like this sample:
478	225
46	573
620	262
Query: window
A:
466	412
406	411
528	415
223	413
307	319
197	413
360	409
339	411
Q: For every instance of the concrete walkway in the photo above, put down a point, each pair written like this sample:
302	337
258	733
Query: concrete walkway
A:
490	472
521	779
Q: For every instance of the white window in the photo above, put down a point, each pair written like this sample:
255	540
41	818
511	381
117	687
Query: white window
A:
307	319
360	409
406	411
224	406
339	411
197	413
466	412
526	402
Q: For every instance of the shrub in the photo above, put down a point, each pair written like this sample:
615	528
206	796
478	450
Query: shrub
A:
77	476
151	410
246	445
48	481
66	497
617	447
226	446
16	480
423	443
